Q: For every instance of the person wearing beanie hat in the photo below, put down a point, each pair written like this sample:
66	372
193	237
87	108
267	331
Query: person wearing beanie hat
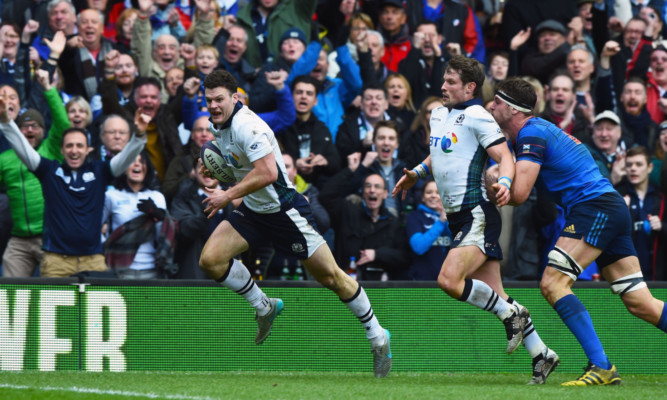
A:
31	124
293	33
292	47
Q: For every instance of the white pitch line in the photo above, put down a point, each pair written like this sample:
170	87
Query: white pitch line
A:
110	392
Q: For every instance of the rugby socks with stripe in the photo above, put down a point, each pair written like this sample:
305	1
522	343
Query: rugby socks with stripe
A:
361	308
238	279
531	340
578	320
662	323
479	294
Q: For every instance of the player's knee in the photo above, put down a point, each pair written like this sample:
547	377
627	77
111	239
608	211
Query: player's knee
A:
624	287
209	261
553	282
449	284
329	282
564	263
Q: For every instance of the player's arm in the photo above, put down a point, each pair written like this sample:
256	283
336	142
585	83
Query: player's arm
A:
264	173
16	139
526	175
410	177
501	154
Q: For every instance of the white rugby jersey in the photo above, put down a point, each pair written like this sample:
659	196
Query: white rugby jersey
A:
458	143
245	140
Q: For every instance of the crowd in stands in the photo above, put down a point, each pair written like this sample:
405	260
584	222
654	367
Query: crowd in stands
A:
105	116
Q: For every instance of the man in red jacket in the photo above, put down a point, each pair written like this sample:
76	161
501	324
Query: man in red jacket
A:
395	32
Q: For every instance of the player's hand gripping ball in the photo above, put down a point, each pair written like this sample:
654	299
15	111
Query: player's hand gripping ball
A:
215	162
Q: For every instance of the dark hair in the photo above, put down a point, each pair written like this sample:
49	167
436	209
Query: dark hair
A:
140	81
73	130
387	123
498	53
438	29
635	79
219	78
470	70
637	18
14	26
307	79
639	151
519	90
121	181
373	85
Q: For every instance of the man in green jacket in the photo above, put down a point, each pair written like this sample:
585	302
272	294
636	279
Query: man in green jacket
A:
26	201
265	21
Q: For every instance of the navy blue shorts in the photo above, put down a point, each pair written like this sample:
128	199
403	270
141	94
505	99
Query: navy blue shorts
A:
604	223
479	227
290	230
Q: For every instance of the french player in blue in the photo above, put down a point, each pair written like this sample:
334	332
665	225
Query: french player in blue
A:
597	227
463	137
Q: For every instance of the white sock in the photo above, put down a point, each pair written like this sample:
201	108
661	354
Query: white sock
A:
531	340
239	280
479	294
361	308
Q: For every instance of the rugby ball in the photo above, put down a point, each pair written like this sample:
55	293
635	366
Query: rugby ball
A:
213	160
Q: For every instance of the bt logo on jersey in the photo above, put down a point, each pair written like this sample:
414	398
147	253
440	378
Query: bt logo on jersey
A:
446	143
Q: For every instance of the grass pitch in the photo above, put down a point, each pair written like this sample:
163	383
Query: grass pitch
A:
310	385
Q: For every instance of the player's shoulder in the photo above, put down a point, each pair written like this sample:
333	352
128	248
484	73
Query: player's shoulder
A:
537	127
439	114
247	122
477	112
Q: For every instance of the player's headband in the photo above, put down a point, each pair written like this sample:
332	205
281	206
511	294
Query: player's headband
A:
513	103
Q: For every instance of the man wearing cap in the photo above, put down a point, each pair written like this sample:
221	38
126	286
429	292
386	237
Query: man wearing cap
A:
551	54
607	148
24	250
597	224
265	22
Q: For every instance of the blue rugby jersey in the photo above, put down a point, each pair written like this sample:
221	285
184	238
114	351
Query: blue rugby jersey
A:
568	170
